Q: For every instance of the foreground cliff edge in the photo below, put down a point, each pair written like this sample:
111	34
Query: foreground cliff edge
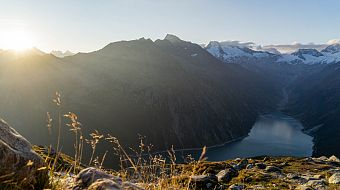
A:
23	166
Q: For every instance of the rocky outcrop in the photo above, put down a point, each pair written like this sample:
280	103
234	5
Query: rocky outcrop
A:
259	173
95	179
226	175
88	176
271	173
19	164
335	178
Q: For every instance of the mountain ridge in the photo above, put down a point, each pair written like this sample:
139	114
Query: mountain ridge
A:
229	53
172	90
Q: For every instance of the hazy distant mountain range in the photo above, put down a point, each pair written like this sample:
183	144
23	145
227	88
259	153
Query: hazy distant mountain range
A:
173	91
229	52
61	54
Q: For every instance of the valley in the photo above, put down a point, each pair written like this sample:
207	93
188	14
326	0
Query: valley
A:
172	91
309	85
156	89
274	134
173	95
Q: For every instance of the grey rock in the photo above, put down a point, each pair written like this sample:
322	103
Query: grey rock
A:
204	181
237	187
284	164
333	159
130	186
317	184
108	184
242	164
334	179
334	170
226	175
304	187
250	166
317	176
292	176
18	162
309	177
261	165
236	167
309	159
237	159
88	176
323	158
104	184
273	169
257	187
221	187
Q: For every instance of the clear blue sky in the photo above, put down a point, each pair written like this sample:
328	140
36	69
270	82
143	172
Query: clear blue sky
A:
86	25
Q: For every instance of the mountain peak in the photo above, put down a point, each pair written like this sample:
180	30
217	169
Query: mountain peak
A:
172	38
213	44
334	48
61	54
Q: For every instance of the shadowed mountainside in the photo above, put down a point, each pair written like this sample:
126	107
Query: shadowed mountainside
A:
172	91
316	103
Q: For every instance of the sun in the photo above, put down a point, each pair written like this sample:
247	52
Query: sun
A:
17	40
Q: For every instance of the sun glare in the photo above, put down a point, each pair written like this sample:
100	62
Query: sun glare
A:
16	40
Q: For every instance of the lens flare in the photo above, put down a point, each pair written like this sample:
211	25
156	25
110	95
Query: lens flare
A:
16	40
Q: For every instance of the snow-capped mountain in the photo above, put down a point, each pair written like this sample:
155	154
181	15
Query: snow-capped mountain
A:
61	54
306	56
313	56
332	49
233	53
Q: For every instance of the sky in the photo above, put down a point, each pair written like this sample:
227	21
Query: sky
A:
88	25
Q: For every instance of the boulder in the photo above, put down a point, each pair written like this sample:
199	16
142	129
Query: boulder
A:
88	176
317	176
283	164
317	184
309	159
19	164
203	181
250	166
237	159
242	164
333	159
257	187
292	176
309	177
104	184
130	186
304	187
334	179
272	169
261	165
236	187
226	175
322	158
95	179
